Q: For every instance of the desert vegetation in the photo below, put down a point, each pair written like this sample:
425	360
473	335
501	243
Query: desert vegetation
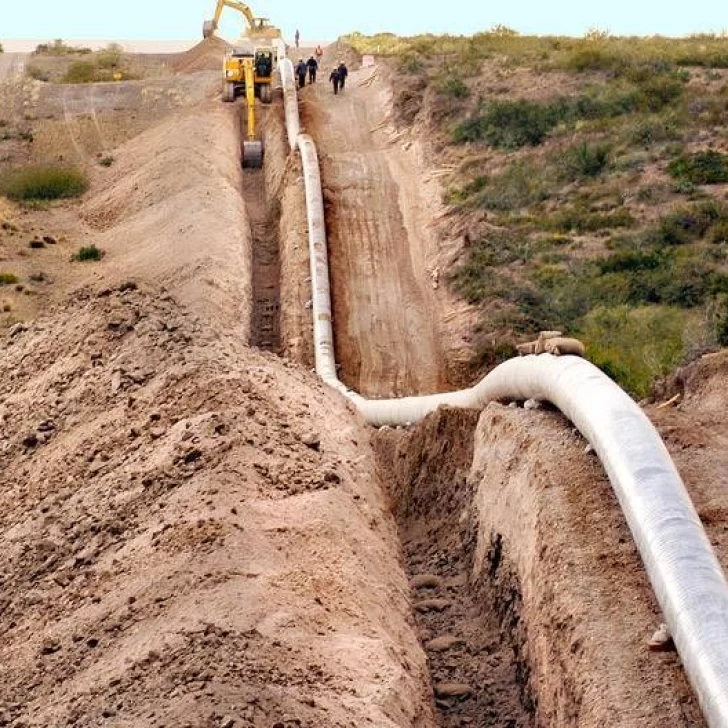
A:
43	183
62	63
591	182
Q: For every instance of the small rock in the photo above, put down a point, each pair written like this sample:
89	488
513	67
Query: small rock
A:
49	646
312	440
443	643
50	239
589	449
46	426
115	381
531	404
426	581
661	640
17	329
331	476
156	432
30	440
227	722
453	690
432	605
92	642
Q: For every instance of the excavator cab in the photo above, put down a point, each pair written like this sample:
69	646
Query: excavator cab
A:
262	61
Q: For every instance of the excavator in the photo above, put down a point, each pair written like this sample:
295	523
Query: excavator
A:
248	68
252	147
258	28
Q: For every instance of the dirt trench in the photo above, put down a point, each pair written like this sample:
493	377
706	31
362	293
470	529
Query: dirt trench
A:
263	213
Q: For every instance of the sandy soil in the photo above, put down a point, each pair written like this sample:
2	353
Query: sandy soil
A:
191	533
377	213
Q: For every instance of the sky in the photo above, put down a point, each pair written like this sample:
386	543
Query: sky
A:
324	20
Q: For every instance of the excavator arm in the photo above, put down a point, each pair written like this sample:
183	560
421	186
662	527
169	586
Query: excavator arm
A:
252	148
210	26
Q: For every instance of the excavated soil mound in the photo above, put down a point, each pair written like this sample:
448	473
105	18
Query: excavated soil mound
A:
205	56
189	531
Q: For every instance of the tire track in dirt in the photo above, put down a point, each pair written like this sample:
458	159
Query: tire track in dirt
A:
387	340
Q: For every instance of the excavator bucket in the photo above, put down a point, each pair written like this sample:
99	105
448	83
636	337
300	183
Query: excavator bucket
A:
252	155
208	28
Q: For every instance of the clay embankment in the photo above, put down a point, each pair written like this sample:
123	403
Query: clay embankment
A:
190	530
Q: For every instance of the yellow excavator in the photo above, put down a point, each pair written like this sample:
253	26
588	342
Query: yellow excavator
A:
258	28
252	147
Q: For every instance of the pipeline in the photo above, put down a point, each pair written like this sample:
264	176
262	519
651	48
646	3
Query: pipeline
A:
687	579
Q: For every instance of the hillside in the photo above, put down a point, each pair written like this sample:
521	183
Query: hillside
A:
585	187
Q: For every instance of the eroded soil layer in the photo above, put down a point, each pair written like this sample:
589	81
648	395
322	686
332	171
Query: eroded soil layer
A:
468	623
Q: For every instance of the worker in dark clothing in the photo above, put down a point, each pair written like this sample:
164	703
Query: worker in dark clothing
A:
312	65
301	69
343	73
297	37
334	78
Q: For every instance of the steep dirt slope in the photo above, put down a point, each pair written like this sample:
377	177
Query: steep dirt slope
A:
190	532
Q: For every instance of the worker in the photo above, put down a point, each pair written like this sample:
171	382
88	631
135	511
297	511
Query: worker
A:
301	69
297	37
343	73
334	78
319	52
312	65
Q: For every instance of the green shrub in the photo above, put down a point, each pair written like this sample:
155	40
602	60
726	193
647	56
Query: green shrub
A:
90	252
44	183
687	224
111	57
521	184
461	195
635	346
507	124
701	168
721	324
584	161
581	220
455	87
652	130
719	232
81	72
60	48
7	279
37	74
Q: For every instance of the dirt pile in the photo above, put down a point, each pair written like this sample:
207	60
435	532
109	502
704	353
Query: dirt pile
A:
205	56
170	212
190	531
694	428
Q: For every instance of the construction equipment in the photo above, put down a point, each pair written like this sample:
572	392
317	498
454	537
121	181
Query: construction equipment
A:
252	147
261	61
258	28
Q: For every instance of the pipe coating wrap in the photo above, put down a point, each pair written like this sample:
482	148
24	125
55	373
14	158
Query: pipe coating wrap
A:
685	574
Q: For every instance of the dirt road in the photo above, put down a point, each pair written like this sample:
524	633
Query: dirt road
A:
387	337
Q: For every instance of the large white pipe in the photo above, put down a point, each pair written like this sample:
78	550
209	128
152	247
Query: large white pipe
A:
685	574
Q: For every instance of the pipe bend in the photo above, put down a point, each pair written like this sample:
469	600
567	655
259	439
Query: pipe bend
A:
687	579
